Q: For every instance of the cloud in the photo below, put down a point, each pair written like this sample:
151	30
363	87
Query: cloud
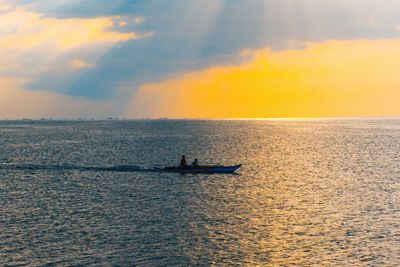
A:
334	78
80	64
17	103
138	20
22	29
35	46
188	36
29	39
4	7
196	34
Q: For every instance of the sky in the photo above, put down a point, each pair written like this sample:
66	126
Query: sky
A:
199	58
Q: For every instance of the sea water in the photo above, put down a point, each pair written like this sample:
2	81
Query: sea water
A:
310	192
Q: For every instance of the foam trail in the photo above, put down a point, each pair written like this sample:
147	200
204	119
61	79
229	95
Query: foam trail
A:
65	167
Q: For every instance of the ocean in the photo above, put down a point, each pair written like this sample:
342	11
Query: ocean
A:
310	193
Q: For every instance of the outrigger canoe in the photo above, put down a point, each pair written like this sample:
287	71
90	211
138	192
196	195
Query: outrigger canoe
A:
202	169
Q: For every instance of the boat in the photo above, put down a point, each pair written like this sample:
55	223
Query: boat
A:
202	169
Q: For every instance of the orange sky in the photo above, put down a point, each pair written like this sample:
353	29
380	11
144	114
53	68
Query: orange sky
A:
329	79
136	60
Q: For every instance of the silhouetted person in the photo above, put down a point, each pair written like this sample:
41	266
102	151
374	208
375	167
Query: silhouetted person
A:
183	163
195	163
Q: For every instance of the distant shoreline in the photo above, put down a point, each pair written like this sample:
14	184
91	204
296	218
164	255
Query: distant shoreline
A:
197	119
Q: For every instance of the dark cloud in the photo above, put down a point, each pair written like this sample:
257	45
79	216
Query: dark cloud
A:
195	34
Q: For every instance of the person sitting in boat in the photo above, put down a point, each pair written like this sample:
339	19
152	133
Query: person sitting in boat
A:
195	163
183	163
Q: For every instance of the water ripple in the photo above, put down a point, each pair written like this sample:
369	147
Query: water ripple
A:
310	193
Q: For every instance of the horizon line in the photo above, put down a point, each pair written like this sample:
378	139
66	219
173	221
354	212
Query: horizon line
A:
206	119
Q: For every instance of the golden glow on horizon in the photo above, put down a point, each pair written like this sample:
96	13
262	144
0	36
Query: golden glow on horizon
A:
336	78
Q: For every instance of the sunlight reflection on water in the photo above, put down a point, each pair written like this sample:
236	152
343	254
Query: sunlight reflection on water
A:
310	193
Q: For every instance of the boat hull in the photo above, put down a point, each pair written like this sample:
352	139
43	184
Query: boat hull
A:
202	169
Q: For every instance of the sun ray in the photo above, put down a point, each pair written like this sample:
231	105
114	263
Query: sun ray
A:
37	44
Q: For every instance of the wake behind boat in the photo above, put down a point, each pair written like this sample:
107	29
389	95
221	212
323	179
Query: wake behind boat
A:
201	169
